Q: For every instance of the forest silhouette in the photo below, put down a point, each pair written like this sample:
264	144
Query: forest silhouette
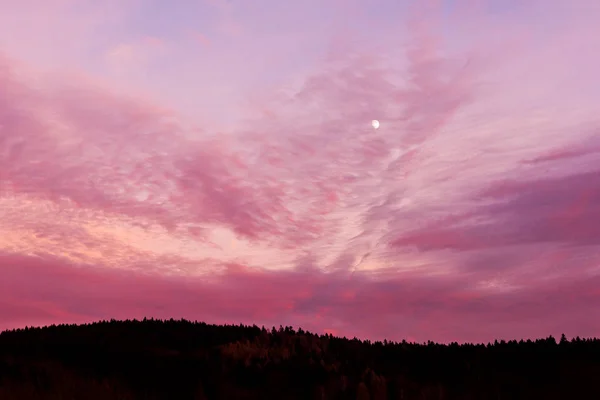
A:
179	359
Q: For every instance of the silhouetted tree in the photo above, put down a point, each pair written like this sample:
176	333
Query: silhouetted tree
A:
154	359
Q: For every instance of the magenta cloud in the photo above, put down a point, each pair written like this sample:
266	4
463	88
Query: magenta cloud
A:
43	290
469	215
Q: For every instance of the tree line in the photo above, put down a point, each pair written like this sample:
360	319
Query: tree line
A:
179	359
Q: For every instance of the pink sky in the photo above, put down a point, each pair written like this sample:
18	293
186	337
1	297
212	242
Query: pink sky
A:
215	161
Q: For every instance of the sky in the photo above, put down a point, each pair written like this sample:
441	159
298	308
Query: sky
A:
214	160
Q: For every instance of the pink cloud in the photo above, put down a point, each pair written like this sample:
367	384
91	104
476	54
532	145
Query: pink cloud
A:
438	225
200	38
553	210
112	143
44	289
590	147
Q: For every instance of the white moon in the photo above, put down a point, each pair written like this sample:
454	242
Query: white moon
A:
375	124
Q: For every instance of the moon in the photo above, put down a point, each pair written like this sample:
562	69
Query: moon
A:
375	124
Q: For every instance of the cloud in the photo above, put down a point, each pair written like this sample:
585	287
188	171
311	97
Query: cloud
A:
438	225
583	148
135	55
103	152
558	210
42	289
200	38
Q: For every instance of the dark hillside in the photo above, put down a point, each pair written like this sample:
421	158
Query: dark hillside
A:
154	359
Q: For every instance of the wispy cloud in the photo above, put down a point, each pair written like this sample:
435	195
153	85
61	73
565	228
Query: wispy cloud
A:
40	290
468	214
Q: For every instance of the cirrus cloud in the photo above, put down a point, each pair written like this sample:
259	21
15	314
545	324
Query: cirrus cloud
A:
467	216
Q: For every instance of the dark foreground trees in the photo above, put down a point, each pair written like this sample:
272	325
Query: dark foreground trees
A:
153	359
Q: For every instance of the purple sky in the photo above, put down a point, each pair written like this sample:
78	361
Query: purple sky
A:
215	160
